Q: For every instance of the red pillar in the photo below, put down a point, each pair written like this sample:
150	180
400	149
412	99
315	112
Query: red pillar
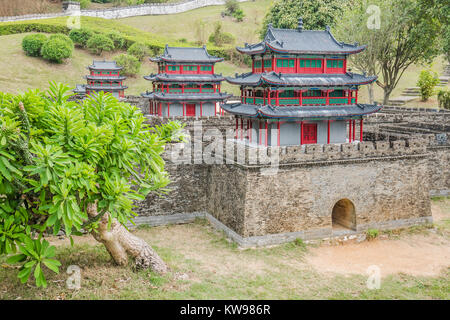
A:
237	126
327	101
250	125
350	130
242	128
201	109
328	132
361	130
301	132
260	132
184	109
354	129
168	109
266	137
278	97
278	134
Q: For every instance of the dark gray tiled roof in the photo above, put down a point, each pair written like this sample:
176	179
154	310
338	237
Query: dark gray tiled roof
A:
302	42
164	77
80	88
104	65
287	79
300	112
186	54
186	96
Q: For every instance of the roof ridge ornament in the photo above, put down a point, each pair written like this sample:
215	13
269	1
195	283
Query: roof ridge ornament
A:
300	24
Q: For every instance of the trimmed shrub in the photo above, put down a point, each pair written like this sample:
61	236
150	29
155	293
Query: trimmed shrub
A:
239	15
117	38
130	64
32	44
62	37
139	50
99	43
56	50
81	36
84	3
427	81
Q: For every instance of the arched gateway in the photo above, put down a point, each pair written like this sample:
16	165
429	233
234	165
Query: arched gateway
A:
343	215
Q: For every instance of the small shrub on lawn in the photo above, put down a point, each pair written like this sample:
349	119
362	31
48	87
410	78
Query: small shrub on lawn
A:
130	64
427	81
32	44
81	36
117	38
372	234
138	50
56	50
84	3
219	38
99	43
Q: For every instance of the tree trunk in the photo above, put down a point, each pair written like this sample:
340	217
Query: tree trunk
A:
370	90
387	94
120	244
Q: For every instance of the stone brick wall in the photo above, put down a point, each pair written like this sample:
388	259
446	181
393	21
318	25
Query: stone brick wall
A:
123	12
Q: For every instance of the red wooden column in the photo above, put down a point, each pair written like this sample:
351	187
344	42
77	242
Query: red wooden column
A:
160	109
361	130
350	130
249	129
278	97
327	101
260	132
242	95
237	128
168	109
301	132
242	128
266	137
184	109
278	133
354	129
328	132
201	109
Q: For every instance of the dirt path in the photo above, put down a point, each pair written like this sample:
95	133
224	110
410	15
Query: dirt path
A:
419	254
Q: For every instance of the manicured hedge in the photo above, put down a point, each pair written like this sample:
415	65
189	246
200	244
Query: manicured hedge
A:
56	50
32	44
130	35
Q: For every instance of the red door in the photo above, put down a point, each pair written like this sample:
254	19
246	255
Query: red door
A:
190	110
309	133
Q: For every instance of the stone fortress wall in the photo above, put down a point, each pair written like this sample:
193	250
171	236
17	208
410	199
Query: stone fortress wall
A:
388	179
71	8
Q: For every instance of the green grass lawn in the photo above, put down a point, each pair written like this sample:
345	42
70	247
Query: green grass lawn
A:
182	25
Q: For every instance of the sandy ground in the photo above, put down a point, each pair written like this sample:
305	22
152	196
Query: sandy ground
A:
418	255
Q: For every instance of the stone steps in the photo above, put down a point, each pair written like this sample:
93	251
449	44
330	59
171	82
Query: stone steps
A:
401	100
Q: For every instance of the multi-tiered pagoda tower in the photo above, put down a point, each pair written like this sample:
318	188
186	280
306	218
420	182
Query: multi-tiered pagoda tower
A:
103	76
299	90
185	84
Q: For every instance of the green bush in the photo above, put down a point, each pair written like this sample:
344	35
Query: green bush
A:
231	7
84	3
32	44
56	50
372	234
444	99
238	15
139	50
99	43
62	37
219	38
427	81
81	36
130	64
117	39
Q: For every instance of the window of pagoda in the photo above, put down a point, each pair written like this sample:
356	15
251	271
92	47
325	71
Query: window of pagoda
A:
191	88
285	65
288	97
207	87
310	65
314	97
175	88
336	65
206	69
189	69
172	69
258	63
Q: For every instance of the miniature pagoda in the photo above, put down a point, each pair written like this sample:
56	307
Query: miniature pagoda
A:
103	76
185	84
299	90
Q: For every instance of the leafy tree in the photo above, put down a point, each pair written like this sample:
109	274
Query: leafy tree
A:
99	43
444	99
316	14
427	81
130	64
117	39
408	33
66	166
56	50
32	44
63	37
218	37
239	15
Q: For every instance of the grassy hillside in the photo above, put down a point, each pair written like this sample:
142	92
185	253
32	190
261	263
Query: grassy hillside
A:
183	25
20	72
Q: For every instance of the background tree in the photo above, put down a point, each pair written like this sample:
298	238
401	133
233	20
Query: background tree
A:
316	14
72	167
